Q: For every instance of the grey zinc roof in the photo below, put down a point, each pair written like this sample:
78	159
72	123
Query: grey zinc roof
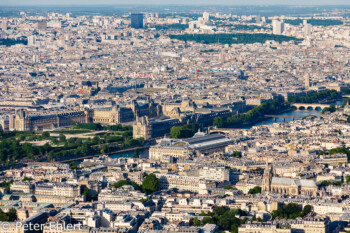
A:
289	181
280	180
308	183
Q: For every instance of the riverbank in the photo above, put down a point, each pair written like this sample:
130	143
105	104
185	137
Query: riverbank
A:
260	119
109	154
288	116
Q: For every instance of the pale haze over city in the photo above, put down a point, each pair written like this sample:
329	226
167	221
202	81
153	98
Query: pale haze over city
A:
178	2
174	116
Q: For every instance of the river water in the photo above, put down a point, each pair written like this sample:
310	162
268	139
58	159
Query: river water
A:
301	113
144	153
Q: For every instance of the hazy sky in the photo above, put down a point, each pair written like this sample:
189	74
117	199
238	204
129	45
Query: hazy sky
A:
187	2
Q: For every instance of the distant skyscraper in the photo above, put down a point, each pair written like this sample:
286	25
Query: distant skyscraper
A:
192	25
307	81
278	27
206	16
3	25
35	58
258	19
31	40
307	29
137	20
42	25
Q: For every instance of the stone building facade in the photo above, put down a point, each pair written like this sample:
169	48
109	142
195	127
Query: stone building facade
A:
307	225
147	129
23	121
287	186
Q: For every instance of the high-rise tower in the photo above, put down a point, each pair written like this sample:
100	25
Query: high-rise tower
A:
206	16
137	20
278	27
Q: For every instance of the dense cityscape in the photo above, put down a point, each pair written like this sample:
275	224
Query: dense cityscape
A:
175	119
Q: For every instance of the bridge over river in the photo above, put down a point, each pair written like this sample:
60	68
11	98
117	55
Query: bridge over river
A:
305	106
283	116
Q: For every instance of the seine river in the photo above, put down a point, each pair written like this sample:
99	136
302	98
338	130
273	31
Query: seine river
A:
129	154
269	121
301	113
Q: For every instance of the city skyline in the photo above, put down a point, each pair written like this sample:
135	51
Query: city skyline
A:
174	118
169	2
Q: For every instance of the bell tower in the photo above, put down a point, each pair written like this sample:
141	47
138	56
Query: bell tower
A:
266	182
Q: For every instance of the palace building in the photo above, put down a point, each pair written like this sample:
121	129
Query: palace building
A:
24	121
21	121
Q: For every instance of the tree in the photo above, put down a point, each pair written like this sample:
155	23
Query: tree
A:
62	137
11	216
120	183
144	200
307	209
291	211
105	149
51	155
45	134
331	108
236	154
6	185
136	153
26	179
224	217
326	183
73	165
340	150
90	126
3	217
313	97
269	107
8	41
175	132
237	38
54	141
206	220
218	122
184	131
150	184
347	179
47	147
220	210
87	194
196	222
255	190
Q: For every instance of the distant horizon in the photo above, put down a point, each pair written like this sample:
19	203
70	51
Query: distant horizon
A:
153	4
51	3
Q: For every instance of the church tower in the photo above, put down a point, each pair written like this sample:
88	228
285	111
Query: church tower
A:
307	81
267	177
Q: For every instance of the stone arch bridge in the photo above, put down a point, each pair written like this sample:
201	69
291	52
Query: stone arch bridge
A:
303	106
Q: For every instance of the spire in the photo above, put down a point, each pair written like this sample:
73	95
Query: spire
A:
266	182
